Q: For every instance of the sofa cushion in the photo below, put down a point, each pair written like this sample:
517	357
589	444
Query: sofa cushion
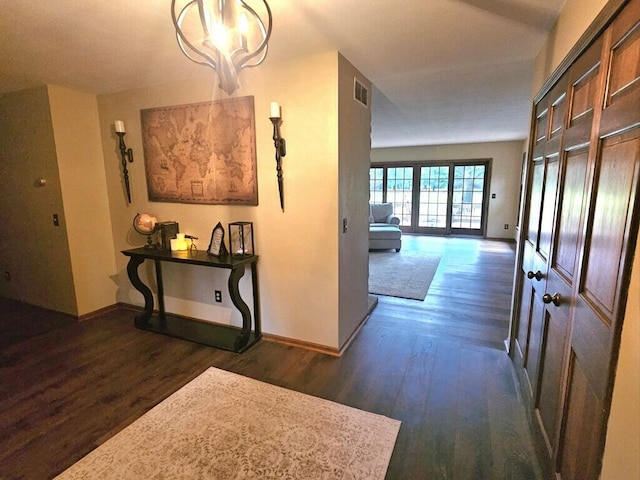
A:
385	236
382	213
384	225
386	232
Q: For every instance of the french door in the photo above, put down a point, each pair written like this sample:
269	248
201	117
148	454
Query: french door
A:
435	198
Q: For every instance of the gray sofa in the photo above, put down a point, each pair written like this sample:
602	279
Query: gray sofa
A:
384	229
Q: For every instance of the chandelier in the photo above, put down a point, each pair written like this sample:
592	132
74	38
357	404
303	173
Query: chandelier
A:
226	35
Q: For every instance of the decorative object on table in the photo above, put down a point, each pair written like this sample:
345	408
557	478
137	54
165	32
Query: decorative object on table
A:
192	243
275	116
226	35
241	239
126	154
217	247
179	244
146	224
202	153
168	230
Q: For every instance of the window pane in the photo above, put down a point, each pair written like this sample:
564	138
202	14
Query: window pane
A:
375	184
468	196
399	192
434	183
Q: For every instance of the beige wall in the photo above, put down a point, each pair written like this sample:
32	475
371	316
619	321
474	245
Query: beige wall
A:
505	174
575	18
354	158
52	132
84	194
32	249
622	450
298	267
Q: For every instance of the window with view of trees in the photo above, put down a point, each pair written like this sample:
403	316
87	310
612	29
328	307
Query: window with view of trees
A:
434	197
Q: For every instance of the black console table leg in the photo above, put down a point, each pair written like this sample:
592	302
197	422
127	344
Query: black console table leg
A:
234	292
132	271
256	301
160	285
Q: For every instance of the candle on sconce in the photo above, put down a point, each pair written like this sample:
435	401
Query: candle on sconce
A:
275	110
243	27
119	124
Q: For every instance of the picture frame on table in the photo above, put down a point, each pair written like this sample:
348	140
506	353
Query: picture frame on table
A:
217	247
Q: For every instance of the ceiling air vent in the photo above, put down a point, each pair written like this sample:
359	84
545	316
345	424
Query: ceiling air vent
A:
360	92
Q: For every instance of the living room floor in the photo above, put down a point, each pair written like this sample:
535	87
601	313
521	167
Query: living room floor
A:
67	389
470	295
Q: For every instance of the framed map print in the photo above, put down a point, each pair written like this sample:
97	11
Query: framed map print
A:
201	153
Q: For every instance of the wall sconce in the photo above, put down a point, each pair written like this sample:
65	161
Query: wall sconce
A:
126	154
225	35
281	146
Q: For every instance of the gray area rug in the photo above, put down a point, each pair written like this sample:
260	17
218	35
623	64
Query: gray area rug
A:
226	426
401	275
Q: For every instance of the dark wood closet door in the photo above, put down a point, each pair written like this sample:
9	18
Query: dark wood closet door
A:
581	85
544	169
605	261
570	314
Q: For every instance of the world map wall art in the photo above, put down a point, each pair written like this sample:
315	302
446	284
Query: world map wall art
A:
202	152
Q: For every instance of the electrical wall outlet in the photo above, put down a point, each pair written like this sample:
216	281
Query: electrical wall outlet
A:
218	296
506	226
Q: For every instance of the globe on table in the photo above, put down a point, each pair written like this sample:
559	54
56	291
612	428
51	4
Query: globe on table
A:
146	224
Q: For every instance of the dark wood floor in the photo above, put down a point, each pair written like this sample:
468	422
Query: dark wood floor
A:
470	296
439	366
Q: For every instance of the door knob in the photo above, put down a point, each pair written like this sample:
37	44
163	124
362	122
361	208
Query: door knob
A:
537	275
555	299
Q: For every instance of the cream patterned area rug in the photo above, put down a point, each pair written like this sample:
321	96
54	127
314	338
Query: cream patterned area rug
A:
397	274
226	426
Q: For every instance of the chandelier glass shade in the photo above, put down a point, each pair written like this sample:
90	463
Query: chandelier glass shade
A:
226	35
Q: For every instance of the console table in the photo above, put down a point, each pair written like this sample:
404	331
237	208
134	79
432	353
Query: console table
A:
216	335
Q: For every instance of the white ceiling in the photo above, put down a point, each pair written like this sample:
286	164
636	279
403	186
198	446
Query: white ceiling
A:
444	71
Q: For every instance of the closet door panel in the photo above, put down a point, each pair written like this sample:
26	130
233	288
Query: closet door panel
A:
537	332
614	197
570	214
535	200
623	82
584	86
549	399
522	338
580	451
548	207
